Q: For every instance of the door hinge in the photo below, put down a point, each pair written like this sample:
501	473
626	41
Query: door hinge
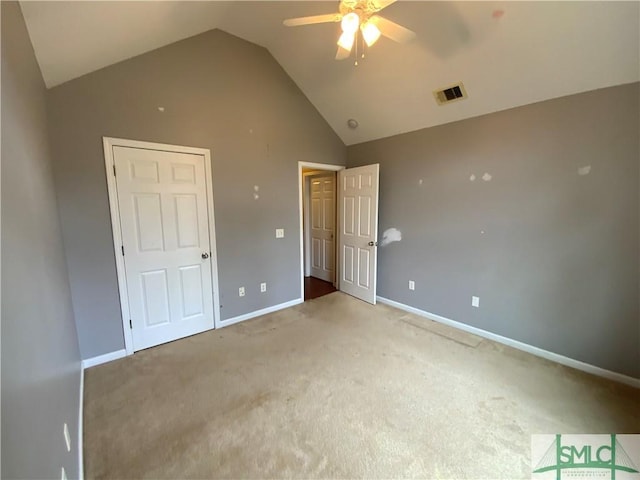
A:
114	170
122	248
130	324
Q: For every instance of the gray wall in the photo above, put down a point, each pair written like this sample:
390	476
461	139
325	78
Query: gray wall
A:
40	356
219	92
557	264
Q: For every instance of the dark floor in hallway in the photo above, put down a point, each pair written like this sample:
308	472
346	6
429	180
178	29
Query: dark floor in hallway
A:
314	288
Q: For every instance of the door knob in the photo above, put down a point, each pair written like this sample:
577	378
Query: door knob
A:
205	255
373	244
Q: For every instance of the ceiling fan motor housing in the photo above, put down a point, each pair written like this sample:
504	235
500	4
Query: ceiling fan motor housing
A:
363	8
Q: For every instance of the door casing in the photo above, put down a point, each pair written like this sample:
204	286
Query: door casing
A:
315	166
108	144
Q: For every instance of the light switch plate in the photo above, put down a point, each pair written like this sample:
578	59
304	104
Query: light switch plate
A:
475	302
279	232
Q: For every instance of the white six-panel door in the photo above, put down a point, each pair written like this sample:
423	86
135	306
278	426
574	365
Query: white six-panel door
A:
323	225
358	200
162	200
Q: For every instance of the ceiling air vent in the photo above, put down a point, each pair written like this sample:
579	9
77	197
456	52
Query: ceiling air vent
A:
450	94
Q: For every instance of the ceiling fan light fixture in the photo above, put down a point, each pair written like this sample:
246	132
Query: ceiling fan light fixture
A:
358	17
350	23
346	40
370	33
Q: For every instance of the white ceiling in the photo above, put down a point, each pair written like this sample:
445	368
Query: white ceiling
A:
535	51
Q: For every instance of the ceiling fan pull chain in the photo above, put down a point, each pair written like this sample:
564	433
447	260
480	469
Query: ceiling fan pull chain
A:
356	42
364	46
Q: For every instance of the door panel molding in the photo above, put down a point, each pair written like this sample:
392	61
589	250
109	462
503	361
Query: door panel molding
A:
180	174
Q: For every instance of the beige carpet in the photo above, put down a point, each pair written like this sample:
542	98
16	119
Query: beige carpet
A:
336	388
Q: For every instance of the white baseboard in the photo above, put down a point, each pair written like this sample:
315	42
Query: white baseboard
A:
111	356
554	357
80	421
100	359
258	313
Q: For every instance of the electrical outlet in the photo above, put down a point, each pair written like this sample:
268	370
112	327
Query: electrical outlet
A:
475	302
263	287
67	437
241	292
412	285
279	232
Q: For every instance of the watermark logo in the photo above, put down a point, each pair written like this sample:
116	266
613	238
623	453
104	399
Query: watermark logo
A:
575	457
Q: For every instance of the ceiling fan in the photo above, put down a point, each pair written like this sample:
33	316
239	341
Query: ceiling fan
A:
358	16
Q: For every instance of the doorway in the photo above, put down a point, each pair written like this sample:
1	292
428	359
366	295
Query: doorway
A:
355	217
319	229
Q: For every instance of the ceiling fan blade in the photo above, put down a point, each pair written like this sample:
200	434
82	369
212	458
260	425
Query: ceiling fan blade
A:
392	30
380	4
342	53
327	18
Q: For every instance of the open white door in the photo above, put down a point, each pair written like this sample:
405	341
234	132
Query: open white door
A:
358	203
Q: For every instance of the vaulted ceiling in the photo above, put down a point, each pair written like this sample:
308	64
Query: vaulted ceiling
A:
507	53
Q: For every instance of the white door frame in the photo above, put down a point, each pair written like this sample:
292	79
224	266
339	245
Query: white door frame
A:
108	144
316	166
